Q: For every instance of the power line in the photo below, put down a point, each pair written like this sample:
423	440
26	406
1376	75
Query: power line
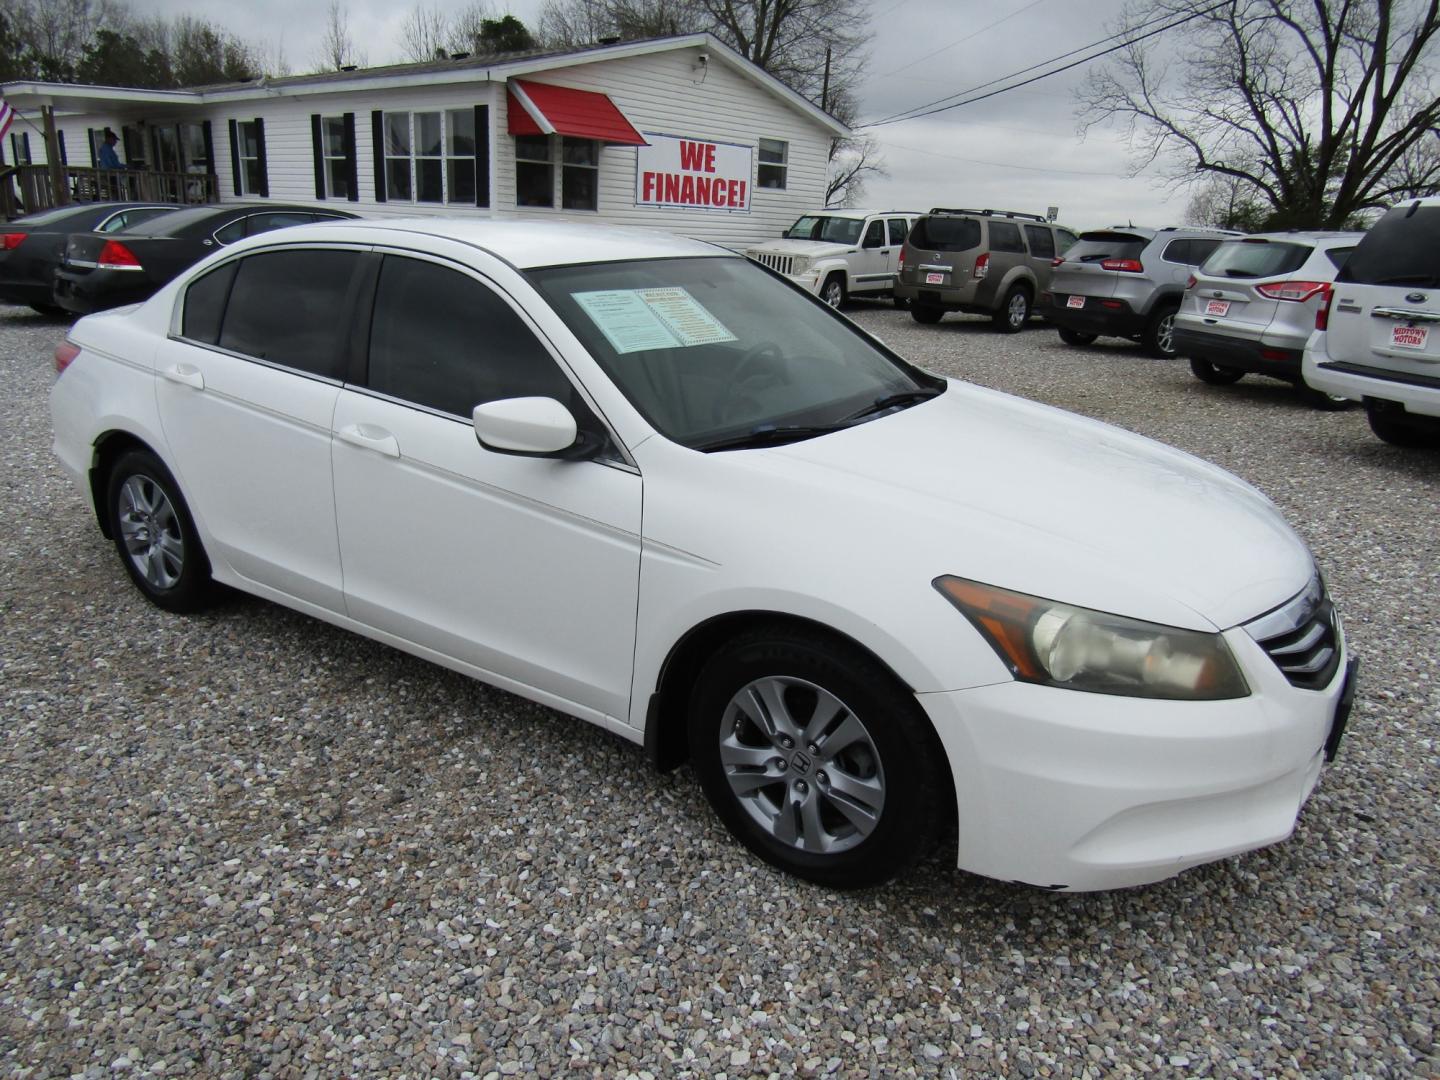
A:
967	37
1005	164
1130	37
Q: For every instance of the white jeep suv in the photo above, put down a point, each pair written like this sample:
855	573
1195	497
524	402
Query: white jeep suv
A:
837	254
1377	339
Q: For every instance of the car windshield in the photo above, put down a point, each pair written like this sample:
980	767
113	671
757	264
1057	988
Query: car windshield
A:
1402	248
714	351
1255	259
835	230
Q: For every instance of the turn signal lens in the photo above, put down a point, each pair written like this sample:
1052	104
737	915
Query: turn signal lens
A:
1055	644
65	352
1298	291
1129	266
13	240
116	256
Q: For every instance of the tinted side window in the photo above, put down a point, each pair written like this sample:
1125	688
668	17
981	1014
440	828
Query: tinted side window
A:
897	230
1178	251
946	234
288	307
205	304
1402	248
232	232
1005	236
442	339
875	234
1042	244
261	223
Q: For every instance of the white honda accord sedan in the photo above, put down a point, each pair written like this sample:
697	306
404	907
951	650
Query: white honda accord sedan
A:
651	484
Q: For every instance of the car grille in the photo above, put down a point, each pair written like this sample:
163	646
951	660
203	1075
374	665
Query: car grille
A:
1302	637
781	264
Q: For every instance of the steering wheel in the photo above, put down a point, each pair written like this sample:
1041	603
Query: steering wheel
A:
762	365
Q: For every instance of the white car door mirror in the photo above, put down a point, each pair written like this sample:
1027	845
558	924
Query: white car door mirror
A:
530	426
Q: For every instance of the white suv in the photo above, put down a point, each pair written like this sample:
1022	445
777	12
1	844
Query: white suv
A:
837	254
1377	340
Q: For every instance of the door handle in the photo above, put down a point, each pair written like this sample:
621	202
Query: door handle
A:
369	437
186	374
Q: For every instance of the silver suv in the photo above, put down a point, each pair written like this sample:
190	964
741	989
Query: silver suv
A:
1251	307
1126	281
985	262
1377	338
837	254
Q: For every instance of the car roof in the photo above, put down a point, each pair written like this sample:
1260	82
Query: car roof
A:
1313	236
850	212
183	219
523	244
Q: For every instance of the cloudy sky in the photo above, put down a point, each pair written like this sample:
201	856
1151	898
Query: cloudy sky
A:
1017	151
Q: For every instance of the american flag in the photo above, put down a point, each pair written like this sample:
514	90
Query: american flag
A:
7	116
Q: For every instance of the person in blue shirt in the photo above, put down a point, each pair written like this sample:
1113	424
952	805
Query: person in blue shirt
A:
106	157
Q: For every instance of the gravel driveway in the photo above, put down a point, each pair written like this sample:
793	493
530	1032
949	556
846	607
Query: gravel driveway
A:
247	844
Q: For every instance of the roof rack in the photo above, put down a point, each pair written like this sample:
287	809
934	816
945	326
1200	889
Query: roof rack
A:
988	213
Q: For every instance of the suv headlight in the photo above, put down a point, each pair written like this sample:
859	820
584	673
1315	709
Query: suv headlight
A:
1054	644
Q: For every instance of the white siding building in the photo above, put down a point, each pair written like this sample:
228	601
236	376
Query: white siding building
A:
679	133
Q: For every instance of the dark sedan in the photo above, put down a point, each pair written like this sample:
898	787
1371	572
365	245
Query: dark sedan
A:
32	248
106	270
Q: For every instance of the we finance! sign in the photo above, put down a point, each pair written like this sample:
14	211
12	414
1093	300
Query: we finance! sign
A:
693	174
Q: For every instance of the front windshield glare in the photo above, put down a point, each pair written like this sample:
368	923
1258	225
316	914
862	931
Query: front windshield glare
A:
830	230
709	348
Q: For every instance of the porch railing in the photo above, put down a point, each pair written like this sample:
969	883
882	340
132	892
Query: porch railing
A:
28	188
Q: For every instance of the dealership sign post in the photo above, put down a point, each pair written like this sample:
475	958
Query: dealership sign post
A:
694	174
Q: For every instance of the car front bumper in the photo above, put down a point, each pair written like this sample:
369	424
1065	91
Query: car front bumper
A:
1068	790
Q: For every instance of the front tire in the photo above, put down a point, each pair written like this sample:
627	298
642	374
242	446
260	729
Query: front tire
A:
1159	338
155	534
1214	374
1076	337
833	291
815	757
1014	313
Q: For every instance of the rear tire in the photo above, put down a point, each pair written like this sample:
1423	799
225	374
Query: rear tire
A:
155	534
1403	429
1159	339
1076	337
1214	374
815	757
1014	313
926	315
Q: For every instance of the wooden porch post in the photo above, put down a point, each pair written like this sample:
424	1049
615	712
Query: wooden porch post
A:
58	187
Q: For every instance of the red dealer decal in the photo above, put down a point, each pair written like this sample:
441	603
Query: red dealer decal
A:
681	172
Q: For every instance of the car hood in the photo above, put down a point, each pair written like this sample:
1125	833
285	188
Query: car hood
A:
813	249
1009	492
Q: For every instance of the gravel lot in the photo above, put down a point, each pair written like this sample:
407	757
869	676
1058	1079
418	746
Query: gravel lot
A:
249	844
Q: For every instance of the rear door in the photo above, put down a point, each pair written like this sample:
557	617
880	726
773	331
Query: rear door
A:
1238	290
1392	283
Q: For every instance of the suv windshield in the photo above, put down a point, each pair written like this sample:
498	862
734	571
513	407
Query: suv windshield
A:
709	348
1098	246
835	230
945	233
1255	259
1402	248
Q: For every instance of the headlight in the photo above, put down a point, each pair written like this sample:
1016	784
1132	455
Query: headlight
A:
1055	644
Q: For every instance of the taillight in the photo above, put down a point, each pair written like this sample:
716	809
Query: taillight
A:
65	352
982	265
901	264
14	239
1190	282
1322	313
116	256
1129	266
1298	291
1057	260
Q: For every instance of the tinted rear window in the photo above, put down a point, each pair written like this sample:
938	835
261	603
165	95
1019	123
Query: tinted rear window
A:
1402	248
1096	246
1255	259
945	233
205	304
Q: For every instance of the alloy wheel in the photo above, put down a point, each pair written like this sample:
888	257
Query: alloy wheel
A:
150	531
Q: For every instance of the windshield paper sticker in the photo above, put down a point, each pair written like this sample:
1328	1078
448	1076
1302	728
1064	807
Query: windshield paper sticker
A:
634	320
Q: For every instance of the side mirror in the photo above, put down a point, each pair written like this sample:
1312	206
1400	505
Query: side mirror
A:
531	427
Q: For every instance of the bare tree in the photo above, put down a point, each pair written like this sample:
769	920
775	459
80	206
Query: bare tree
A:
466	28
576	23
425	33
852	162
1321	109
1226	202
337	47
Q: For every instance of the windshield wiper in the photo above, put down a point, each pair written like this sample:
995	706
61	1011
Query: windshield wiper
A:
891	401
770	435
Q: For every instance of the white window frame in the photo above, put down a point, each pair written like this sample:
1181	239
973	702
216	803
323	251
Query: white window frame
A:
445	156
449	156
558	166
774	146
327	157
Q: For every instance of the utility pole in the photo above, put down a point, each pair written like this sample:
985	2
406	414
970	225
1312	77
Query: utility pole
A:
825	85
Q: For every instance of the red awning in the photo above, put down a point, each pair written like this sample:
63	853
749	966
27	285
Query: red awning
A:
541	109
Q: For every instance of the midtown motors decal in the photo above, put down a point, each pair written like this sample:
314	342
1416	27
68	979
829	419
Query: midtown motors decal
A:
693	174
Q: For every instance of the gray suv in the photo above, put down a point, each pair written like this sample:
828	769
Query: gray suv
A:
985	262
1126	281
